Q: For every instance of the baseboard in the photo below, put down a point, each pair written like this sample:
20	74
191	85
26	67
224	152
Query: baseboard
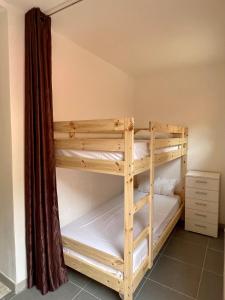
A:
14	287
19	287
8	282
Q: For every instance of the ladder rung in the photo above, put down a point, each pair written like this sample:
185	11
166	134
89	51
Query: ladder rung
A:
140	203
141	237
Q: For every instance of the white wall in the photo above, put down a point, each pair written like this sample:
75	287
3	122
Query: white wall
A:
7	246
15	104
194	97
86	87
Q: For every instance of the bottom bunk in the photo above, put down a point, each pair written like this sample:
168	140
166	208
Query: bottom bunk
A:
100	233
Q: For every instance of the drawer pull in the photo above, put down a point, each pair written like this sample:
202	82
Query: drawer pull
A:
201	204
201	181
200	215
201	226
201	193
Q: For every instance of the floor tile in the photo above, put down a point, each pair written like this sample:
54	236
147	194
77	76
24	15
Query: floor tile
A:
9	296
101	291
65	292
77	277
186	251
188	236
153	291
85	296
139	288
211	287
180	276
214	261
217	243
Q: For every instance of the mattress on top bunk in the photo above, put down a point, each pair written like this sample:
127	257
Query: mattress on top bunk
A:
141	150
102	228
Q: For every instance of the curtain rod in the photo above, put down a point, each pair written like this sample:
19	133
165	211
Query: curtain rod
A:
63	7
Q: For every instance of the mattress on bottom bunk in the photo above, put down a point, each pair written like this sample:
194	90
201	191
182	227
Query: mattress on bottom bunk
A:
141	150
102	228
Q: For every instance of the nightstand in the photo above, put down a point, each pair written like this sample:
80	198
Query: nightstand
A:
202	202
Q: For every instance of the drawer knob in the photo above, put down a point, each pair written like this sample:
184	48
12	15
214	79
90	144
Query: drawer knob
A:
201	181
201	193
200	215
201	204
201	226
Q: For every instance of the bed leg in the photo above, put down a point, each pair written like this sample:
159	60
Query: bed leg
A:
127	296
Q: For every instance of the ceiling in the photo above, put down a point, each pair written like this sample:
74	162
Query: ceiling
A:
27	4
140	35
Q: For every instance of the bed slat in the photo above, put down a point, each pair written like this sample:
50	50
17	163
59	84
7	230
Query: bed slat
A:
141	165
90	126
141	203
100	256
112	145
160	127
160	143
95	273
168	156
143	235
91	165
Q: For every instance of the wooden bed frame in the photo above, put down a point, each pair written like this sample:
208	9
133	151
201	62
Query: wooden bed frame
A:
118	135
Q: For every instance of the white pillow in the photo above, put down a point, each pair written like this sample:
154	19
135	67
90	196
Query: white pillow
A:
162	186
144	185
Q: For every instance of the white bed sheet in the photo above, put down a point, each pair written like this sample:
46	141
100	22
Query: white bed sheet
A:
102	228
141	150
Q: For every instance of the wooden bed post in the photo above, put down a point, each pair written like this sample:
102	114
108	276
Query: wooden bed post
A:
151	192
128	208
184	161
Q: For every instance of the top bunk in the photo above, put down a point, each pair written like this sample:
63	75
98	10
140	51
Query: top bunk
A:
113	146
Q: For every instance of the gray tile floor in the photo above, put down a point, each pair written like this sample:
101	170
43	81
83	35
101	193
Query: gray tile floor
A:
190	266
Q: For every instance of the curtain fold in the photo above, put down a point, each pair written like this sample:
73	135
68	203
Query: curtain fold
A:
45	263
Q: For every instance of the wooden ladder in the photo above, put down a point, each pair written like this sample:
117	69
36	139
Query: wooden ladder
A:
131	208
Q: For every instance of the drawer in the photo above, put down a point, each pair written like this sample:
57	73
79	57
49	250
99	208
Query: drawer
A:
202	183
202	194
201	227
201	216
211	207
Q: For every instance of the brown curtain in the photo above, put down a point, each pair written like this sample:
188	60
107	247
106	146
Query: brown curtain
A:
45	263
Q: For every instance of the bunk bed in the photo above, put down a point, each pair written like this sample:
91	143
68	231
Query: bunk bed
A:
120	256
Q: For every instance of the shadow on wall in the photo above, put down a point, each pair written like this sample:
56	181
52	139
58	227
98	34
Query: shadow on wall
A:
79	192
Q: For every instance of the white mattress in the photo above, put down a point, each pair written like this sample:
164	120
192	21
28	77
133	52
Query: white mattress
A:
141	150
102	228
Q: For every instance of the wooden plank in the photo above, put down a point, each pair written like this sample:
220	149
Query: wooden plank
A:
184	163
168	231
167	128
140	204
140	273
128	211
136	129
141	165
161	143
142	236
151	194
162	158
90	126
100	256
93	272
91	165
112	145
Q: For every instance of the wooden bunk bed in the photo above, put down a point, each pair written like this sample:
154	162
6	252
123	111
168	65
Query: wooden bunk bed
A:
118	135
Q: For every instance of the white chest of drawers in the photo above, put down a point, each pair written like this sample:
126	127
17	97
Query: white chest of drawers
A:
202	202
